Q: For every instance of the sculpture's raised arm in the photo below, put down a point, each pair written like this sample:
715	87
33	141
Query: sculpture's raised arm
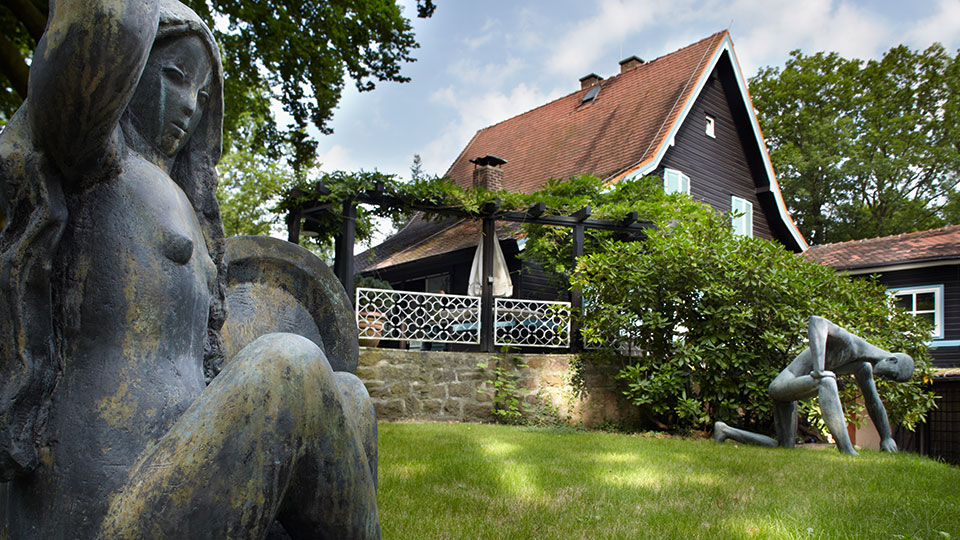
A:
85	70
818	330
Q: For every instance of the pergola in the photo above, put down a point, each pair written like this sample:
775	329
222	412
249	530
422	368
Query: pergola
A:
490	213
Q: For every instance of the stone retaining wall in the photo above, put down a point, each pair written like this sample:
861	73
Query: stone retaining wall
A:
428	385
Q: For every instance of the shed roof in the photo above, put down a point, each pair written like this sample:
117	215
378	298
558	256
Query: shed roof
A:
900	249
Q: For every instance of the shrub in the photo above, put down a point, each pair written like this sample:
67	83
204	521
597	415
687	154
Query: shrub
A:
713	317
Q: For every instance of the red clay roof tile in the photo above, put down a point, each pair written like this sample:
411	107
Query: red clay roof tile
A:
922	246
622	126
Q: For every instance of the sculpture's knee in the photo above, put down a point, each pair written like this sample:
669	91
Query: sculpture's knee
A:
828	385
288	370
359	408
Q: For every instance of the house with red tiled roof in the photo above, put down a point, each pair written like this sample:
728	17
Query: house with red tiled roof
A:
922	271
685	117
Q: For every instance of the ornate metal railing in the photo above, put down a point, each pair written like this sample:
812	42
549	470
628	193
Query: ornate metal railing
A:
412	316
531	323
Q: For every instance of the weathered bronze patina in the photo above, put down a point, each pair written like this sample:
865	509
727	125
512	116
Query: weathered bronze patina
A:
112	302
813	373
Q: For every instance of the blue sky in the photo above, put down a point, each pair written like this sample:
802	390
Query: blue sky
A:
482	62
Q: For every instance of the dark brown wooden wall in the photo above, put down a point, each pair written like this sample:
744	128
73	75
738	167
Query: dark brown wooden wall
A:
949	277
717	168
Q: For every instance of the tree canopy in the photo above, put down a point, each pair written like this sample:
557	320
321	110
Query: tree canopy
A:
298	52
864	148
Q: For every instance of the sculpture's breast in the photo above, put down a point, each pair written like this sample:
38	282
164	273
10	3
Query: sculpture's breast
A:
136	297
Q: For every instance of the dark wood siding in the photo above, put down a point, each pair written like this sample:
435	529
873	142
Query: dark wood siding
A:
939	436
949	277
535	283
717	167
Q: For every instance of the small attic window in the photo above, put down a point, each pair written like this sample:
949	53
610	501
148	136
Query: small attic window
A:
592	93
710	122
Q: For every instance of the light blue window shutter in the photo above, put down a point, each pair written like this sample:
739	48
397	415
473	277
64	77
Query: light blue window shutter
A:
675	182
671	181
743	223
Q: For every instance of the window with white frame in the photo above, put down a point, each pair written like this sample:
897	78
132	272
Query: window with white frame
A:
741	216
926	302
710	129
675	181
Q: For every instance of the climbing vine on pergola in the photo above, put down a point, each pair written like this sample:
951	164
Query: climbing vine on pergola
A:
330	208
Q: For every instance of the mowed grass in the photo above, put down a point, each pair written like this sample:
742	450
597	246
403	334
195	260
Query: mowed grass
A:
475	481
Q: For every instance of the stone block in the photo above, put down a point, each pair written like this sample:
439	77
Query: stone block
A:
452	408
431	407
462	389
399	390
436	391
389	409
378	391
481	412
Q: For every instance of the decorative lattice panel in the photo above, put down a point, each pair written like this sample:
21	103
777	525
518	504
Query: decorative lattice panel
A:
531	323
410	316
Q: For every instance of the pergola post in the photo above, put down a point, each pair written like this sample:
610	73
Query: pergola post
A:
486	296
343	263
576	300
293	226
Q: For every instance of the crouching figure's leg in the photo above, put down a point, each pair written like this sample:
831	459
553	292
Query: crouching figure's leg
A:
722	432
270	437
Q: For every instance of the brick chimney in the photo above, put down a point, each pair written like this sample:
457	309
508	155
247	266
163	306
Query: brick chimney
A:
629	63
590	80
487	172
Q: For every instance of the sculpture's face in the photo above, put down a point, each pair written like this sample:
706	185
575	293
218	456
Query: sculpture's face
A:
898	367
172	94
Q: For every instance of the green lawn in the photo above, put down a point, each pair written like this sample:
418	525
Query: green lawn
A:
496	482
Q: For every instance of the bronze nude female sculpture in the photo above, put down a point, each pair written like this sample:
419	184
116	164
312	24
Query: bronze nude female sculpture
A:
112	302
833	351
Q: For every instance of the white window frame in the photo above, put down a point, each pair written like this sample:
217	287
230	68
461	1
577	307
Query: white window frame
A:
710	128
675	181
937	290
742	224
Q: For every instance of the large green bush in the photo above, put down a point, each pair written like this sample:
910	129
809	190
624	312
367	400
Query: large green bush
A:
712	317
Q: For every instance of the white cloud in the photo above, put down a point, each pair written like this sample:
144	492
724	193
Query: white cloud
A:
472	72
813	26
942	26
337	158
579	49
474	112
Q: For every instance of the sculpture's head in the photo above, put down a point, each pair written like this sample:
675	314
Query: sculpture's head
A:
898	367
178	103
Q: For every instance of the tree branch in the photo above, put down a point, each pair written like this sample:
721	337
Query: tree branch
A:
31	17
14	67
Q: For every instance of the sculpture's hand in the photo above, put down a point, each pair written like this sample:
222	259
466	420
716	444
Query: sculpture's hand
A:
816	374
888	445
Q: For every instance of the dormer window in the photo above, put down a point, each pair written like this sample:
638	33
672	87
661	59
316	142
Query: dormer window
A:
592	93
710	127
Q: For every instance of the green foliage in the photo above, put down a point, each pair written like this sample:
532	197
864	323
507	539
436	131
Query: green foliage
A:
552	246
401	199
711	318
512	402
370	282
864	149
300	53
295	52
250	187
